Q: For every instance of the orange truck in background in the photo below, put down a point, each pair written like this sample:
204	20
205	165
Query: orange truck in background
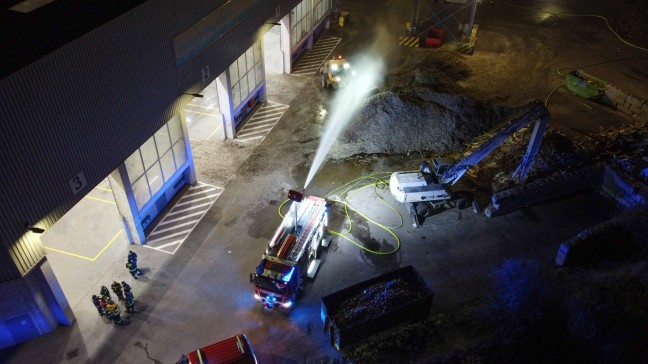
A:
234	350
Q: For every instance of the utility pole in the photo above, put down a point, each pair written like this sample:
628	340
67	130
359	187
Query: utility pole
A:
415	18
473	10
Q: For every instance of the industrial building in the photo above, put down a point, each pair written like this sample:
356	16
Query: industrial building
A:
96	90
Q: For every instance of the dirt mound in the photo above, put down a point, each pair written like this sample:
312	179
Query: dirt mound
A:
421	109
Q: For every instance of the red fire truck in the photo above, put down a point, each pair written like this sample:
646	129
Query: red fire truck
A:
292	254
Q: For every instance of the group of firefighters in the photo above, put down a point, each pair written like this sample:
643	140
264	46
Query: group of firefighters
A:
104	303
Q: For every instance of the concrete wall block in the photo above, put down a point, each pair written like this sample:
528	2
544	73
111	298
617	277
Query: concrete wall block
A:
633	102
643	112
615	95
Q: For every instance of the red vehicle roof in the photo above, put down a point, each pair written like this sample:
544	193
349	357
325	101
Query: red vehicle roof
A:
236	349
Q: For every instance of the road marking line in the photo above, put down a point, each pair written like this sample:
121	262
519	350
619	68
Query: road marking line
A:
214	132
100	199
168	221
195	200
205	107
159	250
167	244
193	207
168	236
86	258
171	228
201	113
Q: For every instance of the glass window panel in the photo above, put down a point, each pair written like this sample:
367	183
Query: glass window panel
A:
180	153
259	73
233	71
175	129
257	52
168	165
141	192
251	80
241	66
155	178
244	87
162	140
149	153
249	58
134	166
236	96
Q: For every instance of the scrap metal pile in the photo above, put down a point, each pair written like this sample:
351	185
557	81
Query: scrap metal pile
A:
627	148
376	300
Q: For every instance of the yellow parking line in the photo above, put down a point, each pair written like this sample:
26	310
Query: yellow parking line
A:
86	258
201	113
203	106
104	189
68	253
107	245
100	199
214	132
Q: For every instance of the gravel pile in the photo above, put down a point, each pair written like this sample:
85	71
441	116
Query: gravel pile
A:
420	109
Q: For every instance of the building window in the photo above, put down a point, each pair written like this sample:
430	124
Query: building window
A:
304	16
244	74
156	161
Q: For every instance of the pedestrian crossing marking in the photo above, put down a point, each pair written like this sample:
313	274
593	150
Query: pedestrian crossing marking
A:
311	61
261	122
409	41
169	234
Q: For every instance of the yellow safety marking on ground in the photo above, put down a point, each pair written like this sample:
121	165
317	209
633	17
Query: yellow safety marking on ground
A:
203	106
104	189
201	113
86	258
100	199
214	132
409	41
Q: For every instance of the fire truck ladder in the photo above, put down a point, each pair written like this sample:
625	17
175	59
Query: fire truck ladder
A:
312	218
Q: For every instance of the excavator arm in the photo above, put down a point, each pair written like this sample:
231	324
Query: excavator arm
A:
538	115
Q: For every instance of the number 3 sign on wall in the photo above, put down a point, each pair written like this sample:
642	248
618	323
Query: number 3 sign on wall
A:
77	183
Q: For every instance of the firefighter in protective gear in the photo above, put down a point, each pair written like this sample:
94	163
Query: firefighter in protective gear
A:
103	304
133	270
97	304
126	286
105	293
113	312
132	257
129	301
117	289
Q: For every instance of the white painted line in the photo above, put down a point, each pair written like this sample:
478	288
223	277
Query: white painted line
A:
168	244
171	228
248	139
185	232
194	200
195	191
178	212
168	221
163	251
